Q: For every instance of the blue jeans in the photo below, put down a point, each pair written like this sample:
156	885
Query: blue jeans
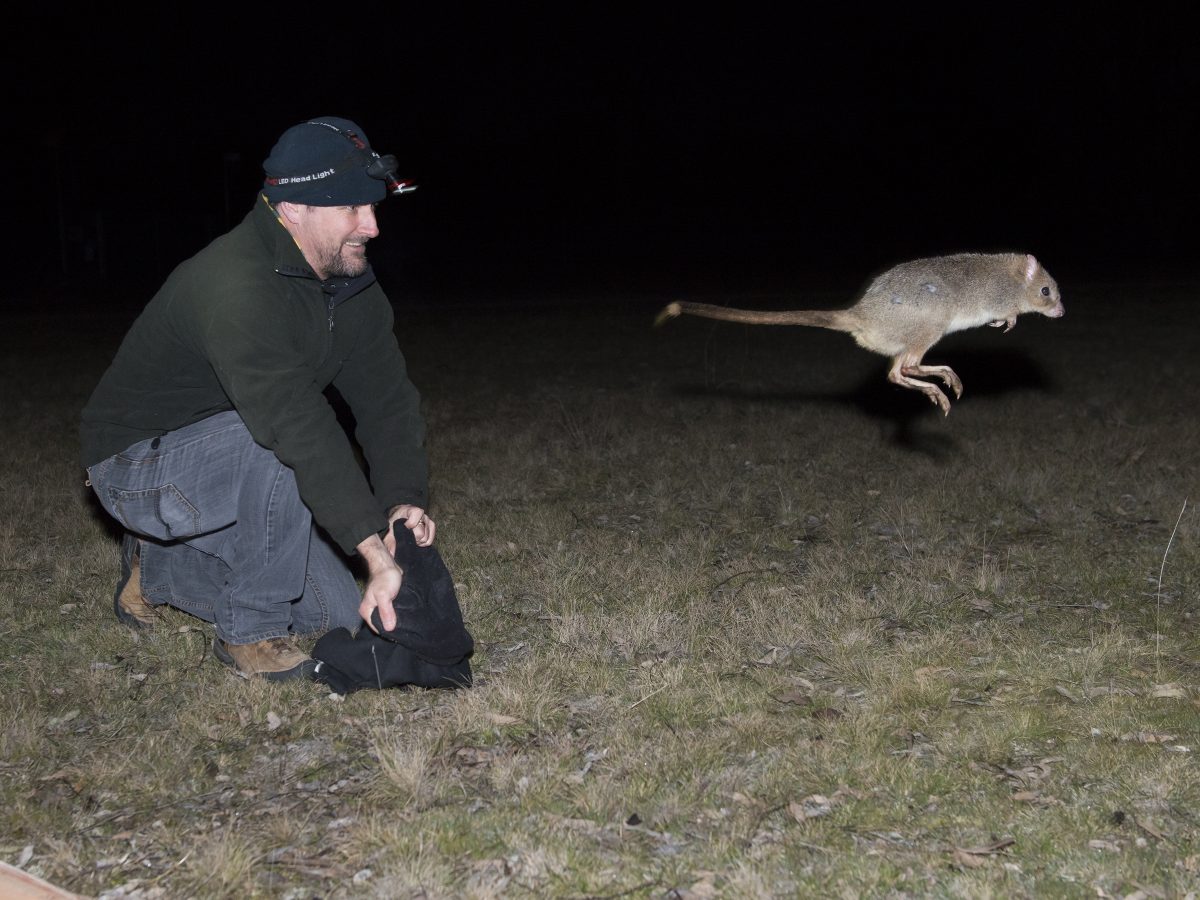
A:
225	535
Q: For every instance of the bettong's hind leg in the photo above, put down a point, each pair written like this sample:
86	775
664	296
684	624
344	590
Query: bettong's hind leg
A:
945	373
907	365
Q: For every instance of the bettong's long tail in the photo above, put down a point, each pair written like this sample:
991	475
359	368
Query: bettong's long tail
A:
819	318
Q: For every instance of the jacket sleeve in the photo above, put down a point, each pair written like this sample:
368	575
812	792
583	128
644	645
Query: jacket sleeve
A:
389	425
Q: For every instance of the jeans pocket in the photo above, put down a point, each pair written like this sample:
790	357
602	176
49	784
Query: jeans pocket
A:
161	512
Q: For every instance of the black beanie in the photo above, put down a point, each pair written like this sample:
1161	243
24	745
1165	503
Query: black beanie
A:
322	162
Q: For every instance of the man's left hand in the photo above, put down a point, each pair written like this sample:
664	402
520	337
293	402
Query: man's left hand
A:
415	521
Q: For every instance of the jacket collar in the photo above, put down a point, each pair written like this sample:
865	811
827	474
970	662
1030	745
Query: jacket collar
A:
290	262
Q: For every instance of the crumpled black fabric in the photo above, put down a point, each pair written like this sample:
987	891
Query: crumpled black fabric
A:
429	647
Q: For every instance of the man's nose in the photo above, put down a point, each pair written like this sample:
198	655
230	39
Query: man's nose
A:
367	225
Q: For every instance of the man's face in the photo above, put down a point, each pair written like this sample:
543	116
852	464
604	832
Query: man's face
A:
334	238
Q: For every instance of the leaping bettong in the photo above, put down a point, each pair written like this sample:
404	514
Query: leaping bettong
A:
910	307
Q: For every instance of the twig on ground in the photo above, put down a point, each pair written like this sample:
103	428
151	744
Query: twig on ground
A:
1158	596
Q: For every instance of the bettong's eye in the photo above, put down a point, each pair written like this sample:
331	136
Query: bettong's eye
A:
1045	292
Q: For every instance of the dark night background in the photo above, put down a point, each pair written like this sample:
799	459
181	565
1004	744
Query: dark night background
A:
607	153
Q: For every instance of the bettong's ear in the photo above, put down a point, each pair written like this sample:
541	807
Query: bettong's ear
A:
1031	266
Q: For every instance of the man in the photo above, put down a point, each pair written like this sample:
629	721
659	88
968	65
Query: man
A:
210	438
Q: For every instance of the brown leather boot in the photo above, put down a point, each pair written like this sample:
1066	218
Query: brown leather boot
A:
129	604
276	659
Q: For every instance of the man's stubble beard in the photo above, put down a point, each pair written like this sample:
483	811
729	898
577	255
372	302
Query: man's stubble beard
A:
338	265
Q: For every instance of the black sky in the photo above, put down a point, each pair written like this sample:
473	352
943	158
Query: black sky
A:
605	150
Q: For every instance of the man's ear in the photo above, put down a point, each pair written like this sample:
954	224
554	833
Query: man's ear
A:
288	210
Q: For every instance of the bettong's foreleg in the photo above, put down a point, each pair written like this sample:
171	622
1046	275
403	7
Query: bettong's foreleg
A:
1006	324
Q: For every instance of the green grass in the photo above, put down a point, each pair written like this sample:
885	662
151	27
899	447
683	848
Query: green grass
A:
750	622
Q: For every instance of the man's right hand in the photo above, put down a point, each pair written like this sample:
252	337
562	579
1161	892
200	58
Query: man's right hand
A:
384	578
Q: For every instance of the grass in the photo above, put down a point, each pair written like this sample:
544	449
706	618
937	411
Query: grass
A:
750	621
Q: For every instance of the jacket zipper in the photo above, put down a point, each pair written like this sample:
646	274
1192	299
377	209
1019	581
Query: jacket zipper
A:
331	314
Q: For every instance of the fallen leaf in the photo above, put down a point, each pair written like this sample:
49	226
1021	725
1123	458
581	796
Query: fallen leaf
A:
811	807
1105	845
499	719
962	857
1150	829
990	849
774	656
1169	692
66	774
1149	737
1105	691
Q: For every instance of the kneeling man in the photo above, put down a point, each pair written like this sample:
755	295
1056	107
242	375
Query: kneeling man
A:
210	438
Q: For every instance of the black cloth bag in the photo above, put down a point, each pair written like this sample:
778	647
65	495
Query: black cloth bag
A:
430	646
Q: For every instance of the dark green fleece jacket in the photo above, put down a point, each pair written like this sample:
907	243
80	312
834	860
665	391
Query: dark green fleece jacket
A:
246	325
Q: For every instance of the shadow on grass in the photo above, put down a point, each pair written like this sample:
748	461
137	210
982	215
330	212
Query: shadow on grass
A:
900	412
